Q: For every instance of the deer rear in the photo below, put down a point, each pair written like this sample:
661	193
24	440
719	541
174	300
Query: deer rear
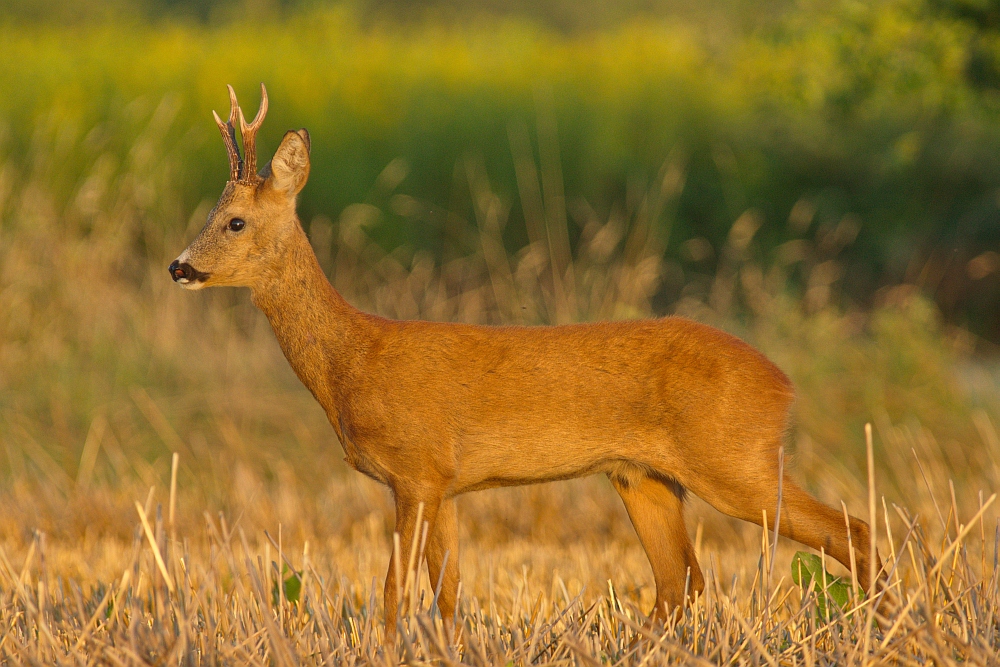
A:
434	410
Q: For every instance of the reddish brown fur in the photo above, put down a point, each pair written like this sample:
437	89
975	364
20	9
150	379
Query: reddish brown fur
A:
434	410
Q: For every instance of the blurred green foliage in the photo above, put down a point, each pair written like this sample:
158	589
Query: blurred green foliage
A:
885	113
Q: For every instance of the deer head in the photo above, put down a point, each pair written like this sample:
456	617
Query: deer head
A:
250	225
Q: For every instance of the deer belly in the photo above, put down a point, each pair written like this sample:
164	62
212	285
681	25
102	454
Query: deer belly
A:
509	460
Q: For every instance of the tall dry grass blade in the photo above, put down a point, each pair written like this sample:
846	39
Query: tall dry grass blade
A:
872	542
763	562
147	507
855	588
398	568
777	512
930	490
888	532
174	462
412	562
419	566
26	568
156	549
304	581
91	447
982	539
440	581
281	583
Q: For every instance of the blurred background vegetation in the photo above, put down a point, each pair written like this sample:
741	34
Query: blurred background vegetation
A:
884	114
821	178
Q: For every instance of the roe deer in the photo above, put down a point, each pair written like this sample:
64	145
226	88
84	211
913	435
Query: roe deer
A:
434	410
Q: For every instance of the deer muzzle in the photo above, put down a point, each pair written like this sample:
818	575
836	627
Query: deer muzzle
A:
186	275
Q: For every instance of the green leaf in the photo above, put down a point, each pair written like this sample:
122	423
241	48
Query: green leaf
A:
292	585
808	573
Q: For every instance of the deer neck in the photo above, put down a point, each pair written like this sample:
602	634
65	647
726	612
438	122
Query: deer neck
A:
318	331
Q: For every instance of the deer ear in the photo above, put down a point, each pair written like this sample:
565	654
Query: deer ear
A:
288	170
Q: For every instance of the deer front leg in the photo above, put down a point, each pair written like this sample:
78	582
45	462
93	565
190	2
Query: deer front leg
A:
442	552
407	508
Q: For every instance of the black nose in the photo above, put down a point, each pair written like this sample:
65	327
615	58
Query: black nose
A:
179	271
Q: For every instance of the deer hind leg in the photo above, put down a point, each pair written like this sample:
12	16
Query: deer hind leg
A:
442	554
806	520
656	508
803	519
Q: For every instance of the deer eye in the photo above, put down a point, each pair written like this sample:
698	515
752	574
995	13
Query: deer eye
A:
236	225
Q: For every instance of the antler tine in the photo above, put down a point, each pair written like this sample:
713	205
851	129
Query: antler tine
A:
228	131
249	133
234	106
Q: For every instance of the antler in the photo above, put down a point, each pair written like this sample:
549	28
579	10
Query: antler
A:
249	133
238	169
229	136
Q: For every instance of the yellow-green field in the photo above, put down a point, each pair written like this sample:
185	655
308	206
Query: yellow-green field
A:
107	370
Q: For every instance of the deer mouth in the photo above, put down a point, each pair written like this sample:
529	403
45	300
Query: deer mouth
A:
186	275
